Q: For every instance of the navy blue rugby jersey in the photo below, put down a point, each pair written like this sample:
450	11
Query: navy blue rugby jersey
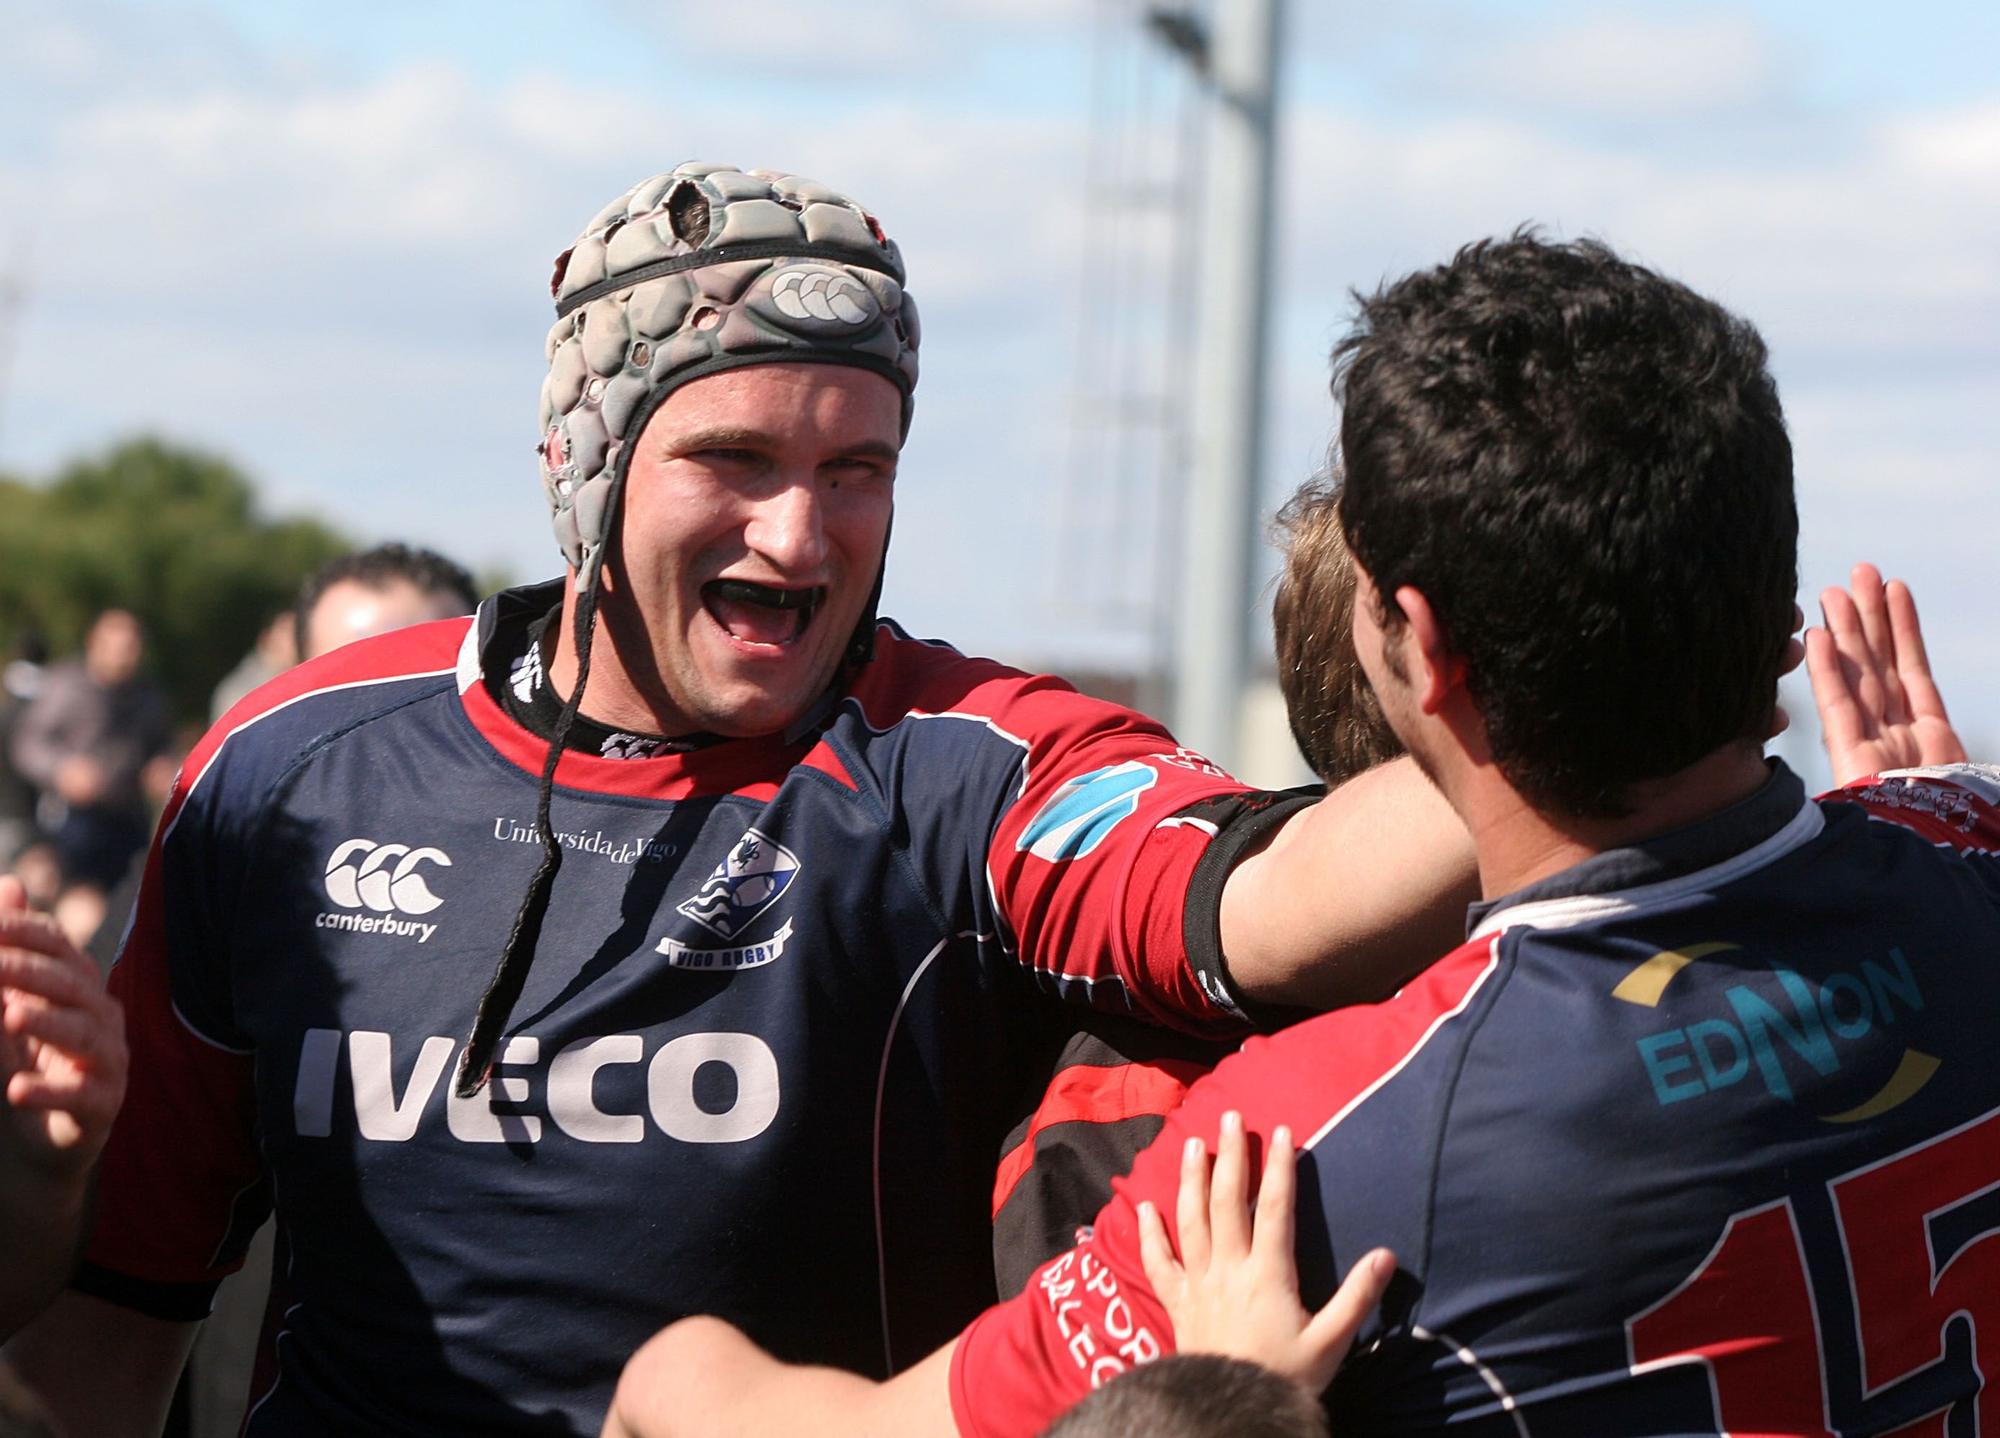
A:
762	1066
1699	1137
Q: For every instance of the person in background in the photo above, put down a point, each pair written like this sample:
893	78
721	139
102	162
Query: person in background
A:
1335	718
373	591
275	650
86	741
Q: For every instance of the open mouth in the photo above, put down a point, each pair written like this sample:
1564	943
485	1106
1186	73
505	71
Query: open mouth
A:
761	613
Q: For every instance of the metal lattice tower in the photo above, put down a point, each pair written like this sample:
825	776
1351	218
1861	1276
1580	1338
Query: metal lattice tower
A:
1117	513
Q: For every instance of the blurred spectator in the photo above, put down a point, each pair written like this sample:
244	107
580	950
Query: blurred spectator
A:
276	650
86	742
375	590
19	683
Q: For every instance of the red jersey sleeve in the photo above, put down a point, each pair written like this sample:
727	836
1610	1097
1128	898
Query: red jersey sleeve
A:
1086	821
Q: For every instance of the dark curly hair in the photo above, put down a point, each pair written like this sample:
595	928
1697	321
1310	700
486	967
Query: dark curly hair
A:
1583	467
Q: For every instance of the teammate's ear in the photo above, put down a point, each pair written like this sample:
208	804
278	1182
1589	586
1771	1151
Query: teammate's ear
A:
1435	670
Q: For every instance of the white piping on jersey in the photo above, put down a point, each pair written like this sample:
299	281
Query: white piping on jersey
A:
1464	1000
466	671
881	1091
188	1024
1487	1375
1187	821
1570	911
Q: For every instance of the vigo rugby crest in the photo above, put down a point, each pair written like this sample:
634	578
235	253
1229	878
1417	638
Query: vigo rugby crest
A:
748	881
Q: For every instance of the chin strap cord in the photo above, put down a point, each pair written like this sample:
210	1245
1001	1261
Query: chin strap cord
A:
496	1005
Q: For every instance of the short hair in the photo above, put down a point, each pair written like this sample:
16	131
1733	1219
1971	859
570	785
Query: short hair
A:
1583	467
378	568
1195	1395
1335	718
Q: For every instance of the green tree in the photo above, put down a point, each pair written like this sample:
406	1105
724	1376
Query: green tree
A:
171	533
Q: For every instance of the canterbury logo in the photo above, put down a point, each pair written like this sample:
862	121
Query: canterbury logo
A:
383	877
812	293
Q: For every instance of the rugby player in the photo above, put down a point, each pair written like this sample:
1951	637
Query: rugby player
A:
652	943
1699	1133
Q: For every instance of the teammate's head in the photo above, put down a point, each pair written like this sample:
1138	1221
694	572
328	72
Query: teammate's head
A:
1582	468
373	591
1335	717
1195	1395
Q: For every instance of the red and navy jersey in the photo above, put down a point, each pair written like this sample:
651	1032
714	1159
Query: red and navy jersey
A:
762	1066
1699	1137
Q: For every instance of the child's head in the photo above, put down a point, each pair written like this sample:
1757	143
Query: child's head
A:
1335	718
1195	1395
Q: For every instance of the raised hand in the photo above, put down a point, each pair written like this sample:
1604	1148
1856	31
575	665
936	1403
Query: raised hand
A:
1234	1290
62	1047
1878	705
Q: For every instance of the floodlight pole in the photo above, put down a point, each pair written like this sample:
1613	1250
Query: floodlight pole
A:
1219	524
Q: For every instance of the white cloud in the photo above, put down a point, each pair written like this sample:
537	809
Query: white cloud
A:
1627	65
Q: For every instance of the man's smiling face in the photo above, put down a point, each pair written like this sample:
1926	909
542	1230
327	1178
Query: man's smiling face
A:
756	511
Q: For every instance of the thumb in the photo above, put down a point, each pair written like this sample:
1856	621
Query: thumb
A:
13	893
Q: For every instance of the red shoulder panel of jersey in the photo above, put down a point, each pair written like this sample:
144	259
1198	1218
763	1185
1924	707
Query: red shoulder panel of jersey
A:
420	650
1089	1315
1957	805
1089	861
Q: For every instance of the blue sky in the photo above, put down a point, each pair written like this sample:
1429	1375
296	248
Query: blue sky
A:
317	238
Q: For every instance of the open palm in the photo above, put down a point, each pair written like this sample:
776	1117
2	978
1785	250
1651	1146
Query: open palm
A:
1871	679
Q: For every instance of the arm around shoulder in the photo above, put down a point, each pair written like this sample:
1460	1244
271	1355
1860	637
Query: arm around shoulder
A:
1351	896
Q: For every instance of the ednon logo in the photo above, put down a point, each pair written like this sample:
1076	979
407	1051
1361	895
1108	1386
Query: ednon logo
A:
1779	1028
384	878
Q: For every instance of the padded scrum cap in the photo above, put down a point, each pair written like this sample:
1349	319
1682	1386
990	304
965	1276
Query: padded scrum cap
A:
691	272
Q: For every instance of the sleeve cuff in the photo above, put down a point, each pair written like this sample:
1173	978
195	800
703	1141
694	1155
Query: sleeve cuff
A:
1242	822
170	1302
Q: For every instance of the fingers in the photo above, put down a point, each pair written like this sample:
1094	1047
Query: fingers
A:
1229	1197
1276	1224
59	979
1330	1333
1191	1206
84	1034
1860	671
1840	718
13	893
1156	1253
1871	605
